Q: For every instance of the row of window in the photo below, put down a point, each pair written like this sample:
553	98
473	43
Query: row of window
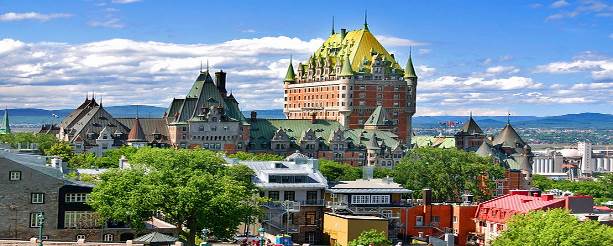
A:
329	88
291	195
370	199
76	197
80	219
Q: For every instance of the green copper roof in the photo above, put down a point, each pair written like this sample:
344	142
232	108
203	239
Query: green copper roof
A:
409	70
346	71
5	128
290	76
443	142
377	118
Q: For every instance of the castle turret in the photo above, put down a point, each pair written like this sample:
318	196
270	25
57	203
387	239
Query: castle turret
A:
290	76
5	128
346	71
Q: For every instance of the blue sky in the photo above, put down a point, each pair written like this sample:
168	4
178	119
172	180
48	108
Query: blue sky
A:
489	57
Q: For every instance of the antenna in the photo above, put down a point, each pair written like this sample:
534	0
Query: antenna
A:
366	19
333	25
201	66
207	65
508	118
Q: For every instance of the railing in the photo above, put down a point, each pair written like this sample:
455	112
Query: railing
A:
317	202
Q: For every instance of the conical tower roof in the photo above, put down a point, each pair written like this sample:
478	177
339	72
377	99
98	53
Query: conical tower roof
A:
136	133
471	127
485	150
372	142
377	118
5	128
290	76
508	137
346	70
409	70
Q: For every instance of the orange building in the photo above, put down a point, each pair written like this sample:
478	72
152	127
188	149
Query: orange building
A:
347	78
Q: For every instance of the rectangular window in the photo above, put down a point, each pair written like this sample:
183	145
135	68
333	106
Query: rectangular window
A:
80	219
311	196
436	219
455	219
76	197
360	199
273	195
34	222
311	218
419	220
289	195
14	175
37	198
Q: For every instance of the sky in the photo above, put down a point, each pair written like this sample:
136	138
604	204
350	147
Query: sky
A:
489	57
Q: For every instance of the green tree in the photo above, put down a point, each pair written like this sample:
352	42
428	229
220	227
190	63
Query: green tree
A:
373	237
82	160
191	188
448	172
335	171
43	141
62	150
553	227
601	188
248	156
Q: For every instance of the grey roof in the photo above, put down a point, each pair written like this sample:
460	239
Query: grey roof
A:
471	127
485	150
149	126
508	137
367	186
264	169
155	237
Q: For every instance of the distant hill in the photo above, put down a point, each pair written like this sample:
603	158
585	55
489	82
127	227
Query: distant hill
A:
32	116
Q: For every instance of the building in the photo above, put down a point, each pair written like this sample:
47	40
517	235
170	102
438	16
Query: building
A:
347	78
370	197
296	190
5	128
470	136
580	160
31	188
325	139
342	228
90	128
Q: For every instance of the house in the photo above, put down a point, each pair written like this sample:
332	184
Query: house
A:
295	188
30	187
343	228
370	197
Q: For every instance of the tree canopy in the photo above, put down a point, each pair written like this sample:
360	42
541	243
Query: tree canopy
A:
553	227
190	188
373	237
335	171
448	172
601	188
62	150
110	158
248	156
43	141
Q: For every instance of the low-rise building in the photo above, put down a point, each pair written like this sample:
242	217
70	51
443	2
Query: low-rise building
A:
371	197
343	228
31	188
295	189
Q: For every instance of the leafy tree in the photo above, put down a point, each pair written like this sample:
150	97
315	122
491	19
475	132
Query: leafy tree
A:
82	160
190	188
335	171
600	188
553	227
43	141
62	150
111	157
382	172
248	156
373	237
448	172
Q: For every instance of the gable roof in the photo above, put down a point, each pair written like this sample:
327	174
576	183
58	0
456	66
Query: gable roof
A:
136	132
471	127
378	117
508	137
501	209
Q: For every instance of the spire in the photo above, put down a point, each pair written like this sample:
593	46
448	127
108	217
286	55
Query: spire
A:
201	66
290	76
508	118
409	70
5	127
333	25
346	70
365	19
136	133
207	65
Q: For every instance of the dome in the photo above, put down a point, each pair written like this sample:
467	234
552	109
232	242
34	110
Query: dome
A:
570	152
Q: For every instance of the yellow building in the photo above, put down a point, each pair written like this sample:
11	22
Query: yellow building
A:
343	228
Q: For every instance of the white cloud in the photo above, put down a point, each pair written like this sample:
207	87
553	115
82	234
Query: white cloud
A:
427	51
472	83
425	71
501	70
126	71
559	4
248	31
125	1
430	111
12	16
593	86
600	69
109	23
586	7
397	42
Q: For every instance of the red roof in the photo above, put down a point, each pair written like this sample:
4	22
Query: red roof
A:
500	209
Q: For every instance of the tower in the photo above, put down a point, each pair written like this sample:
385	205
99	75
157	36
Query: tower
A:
347	78
5	128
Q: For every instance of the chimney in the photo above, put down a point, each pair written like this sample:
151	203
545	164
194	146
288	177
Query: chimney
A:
343	33
254	116
123	163
367	172
220	82
547	197
426	196
56	162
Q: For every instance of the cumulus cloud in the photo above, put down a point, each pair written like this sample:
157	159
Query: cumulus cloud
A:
108	23
472	83
559	4
125	1
600	69
397	42
12	16
126	71
501	69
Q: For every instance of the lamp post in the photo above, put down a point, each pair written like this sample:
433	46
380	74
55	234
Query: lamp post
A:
41	224
261	231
